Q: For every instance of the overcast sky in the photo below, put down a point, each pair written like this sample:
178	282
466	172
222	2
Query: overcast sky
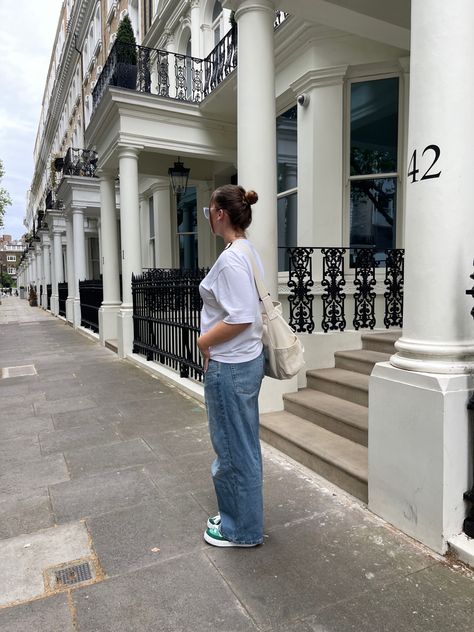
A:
27	29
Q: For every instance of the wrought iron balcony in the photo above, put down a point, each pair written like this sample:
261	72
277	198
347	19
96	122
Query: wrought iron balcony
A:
80	162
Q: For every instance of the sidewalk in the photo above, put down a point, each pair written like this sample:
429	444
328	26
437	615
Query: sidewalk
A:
104	465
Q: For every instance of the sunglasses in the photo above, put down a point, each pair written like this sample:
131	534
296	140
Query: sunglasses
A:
205	210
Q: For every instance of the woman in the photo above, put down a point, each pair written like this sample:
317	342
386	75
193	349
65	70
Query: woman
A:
231	346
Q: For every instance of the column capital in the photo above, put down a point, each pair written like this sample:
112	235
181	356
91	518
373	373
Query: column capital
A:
77	210
194	4
331	76
248	6
105	173
129	151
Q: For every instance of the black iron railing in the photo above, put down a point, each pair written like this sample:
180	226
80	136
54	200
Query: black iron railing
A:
91	296
62	297
468	524
166	73
49	291
280	17
166	318
333	286
80	162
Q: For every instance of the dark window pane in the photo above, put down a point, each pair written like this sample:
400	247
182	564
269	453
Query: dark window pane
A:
188	252
287	228
374	126
373	211
151	217
286	129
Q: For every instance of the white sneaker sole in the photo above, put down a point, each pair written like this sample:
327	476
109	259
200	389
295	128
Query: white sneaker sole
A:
225	543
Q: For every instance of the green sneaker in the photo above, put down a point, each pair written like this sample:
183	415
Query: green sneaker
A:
214	521
214	537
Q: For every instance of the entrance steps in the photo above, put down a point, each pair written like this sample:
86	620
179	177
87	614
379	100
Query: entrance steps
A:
325	425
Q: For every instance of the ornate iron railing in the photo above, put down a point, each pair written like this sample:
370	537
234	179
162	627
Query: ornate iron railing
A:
62	297
91	295
166	318
280	17
80	162
334	284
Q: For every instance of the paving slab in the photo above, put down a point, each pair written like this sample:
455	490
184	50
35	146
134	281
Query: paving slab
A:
98	415
52	615
95	495
64	405
102	458
90	434
141	535
25	513
32	474
14	427
309	564
26	557
435	599
185	594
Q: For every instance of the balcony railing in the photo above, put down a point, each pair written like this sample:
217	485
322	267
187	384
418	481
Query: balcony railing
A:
80	162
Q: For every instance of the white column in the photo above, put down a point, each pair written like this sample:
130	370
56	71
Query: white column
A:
57	265
256	120
39	273
47	269
110	261
171	63
419	441
70	270
320	157
195	29
163	235
130	240
79	259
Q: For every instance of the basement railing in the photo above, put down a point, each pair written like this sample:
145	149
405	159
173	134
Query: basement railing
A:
167	305
91	295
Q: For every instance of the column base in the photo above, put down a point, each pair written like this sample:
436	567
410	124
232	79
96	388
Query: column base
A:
125	331
44	301
108	321
419	452
54	305
70	310
77	313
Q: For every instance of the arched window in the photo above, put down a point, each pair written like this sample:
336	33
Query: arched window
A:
217	21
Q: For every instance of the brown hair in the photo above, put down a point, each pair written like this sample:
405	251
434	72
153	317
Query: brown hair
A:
237	202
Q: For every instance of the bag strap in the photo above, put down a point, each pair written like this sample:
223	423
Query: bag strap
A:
261	289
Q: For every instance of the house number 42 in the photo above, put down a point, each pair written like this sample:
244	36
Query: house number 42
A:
433	153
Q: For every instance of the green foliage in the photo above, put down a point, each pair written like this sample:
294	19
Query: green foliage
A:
5	199
126	43
6	280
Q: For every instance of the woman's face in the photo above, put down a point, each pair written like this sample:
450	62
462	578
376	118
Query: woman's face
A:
215	215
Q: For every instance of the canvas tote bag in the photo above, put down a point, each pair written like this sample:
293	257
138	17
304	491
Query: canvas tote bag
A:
282	348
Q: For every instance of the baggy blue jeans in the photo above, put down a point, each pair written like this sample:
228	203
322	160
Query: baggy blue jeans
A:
231	392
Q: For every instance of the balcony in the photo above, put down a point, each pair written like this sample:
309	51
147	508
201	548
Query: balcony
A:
77	162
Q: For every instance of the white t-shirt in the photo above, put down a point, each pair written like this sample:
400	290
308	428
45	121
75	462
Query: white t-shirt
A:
229	294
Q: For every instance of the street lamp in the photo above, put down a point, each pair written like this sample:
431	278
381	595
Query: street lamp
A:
179	175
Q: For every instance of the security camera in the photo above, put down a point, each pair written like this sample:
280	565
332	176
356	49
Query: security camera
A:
303	100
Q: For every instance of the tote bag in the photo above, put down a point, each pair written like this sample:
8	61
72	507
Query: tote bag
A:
284	353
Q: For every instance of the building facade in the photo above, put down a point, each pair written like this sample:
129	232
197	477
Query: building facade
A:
346	119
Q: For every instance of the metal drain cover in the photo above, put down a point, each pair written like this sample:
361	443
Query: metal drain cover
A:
17	371
73	574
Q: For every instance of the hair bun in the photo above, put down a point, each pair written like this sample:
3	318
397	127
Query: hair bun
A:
251	197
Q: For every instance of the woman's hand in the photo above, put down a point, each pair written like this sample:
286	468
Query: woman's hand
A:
204	349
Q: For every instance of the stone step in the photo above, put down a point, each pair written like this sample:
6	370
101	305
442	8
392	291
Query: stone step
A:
348	385
337	459
359	360
112	344
344	418
381	341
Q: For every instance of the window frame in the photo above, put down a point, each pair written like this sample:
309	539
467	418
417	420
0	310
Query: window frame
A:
401	144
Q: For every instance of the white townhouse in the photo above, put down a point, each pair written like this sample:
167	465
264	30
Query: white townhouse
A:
352	120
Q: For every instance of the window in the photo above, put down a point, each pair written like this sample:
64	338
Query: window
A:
187	229
287	182
217	22
374	163
151	222
11	270
94	258
11	257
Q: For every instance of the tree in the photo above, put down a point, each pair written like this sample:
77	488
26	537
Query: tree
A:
127	45
5	199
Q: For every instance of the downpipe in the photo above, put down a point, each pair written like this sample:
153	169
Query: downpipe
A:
468	525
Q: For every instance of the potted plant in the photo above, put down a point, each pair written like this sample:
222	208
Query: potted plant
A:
125	71
33	298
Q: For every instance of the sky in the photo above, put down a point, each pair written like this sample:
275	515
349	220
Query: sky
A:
27	30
